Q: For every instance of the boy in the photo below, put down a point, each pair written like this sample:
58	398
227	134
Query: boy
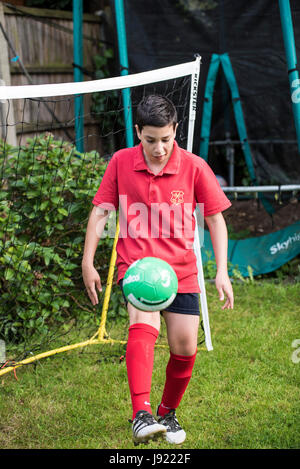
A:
157	177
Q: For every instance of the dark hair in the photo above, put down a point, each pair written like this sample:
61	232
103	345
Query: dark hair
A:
157	111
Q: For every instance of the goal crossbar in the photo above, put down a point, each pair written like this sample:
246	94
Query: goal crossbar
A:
105	84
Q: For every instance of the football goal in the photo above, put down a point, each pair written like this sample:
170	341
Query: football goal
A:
47	186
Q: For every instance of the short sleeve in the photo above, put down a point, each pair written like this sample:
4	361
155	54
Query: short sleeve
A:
107	194
209	192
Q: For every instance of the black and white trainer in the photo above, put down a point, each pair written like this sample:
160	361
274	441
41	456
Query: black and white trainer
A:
175	433
145	428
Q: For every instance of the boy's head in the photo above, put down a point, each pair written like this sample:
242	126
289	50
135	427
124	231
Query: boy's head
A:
156	111
156	124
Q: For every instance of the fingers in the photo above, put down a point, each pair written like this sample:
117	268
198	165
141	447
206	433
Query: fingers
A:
228	293
221	294
229	300
98	285
92	283
228	304
92	295
224	289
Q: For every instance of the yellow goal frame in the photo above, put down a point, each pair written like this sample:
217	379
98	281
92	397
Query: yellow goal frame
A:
100	337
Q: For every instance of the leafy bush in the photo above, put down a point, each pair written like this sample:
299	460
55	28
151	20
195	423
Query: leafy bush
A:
45	200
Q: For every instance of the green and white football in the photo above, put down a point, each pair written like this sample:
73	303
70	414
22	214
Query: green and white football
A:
150	284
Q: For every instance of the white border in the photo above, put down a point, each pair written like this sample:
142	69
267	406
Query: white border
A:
92	86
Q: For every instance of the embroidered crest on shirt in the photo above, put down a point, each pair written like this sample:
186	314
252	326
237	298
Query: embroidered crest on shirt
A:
177	197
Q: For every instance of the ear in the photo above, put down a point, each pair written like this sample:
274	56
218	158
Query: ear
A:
139	134
175	129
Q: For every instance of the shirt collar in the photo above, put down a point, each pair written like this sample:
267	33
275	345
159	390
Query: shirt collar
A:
172	167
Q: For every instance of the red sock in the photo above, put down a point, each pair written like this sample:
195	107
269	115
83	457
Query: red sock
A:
178	374
139	362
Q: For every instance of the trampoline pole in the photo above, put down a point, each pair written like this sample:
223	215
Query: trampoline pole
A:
123	58
78	75
290	51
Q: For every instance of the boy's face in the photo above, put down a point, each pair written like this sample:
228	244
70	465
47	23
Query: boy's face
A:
157	142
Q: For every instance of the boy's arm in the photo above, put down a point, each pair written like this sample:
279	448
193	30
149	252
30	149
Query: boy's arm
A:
218	232
94	231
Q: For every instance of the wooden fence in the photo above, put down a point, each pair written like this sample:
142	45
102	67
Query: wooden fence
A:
42	40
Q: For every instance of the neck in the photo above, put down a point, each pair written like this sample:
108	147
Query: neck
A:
155	168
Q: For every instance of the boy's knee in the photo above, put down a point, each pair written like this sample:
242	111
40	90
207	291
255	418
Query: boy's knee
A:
136	316
184	345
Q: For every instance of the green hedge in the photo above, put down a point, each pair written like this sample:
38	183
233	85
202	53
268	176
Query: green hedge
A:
45	200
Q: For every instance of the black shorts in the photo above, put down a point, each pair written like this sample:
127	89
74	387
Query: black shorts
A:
184	303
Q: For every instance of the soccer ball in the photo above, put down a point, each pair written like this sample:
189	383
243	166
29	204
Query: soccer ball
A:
150	284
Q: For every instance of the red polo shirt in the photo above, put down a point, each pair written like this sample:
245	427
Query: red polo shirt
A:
156	211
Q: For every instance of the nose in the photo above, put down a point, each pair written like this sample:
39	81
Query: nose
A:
159	148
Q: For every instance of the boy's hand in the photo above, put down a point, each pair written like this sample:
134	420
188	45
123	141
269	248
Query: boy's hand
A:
92	281
224	288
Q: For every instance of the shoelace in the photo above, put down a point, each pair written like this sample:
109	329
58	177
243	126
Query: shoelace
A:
144	419
170	420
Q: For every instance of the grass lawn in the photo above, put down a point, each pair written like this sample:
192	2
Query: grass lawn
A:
243	394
